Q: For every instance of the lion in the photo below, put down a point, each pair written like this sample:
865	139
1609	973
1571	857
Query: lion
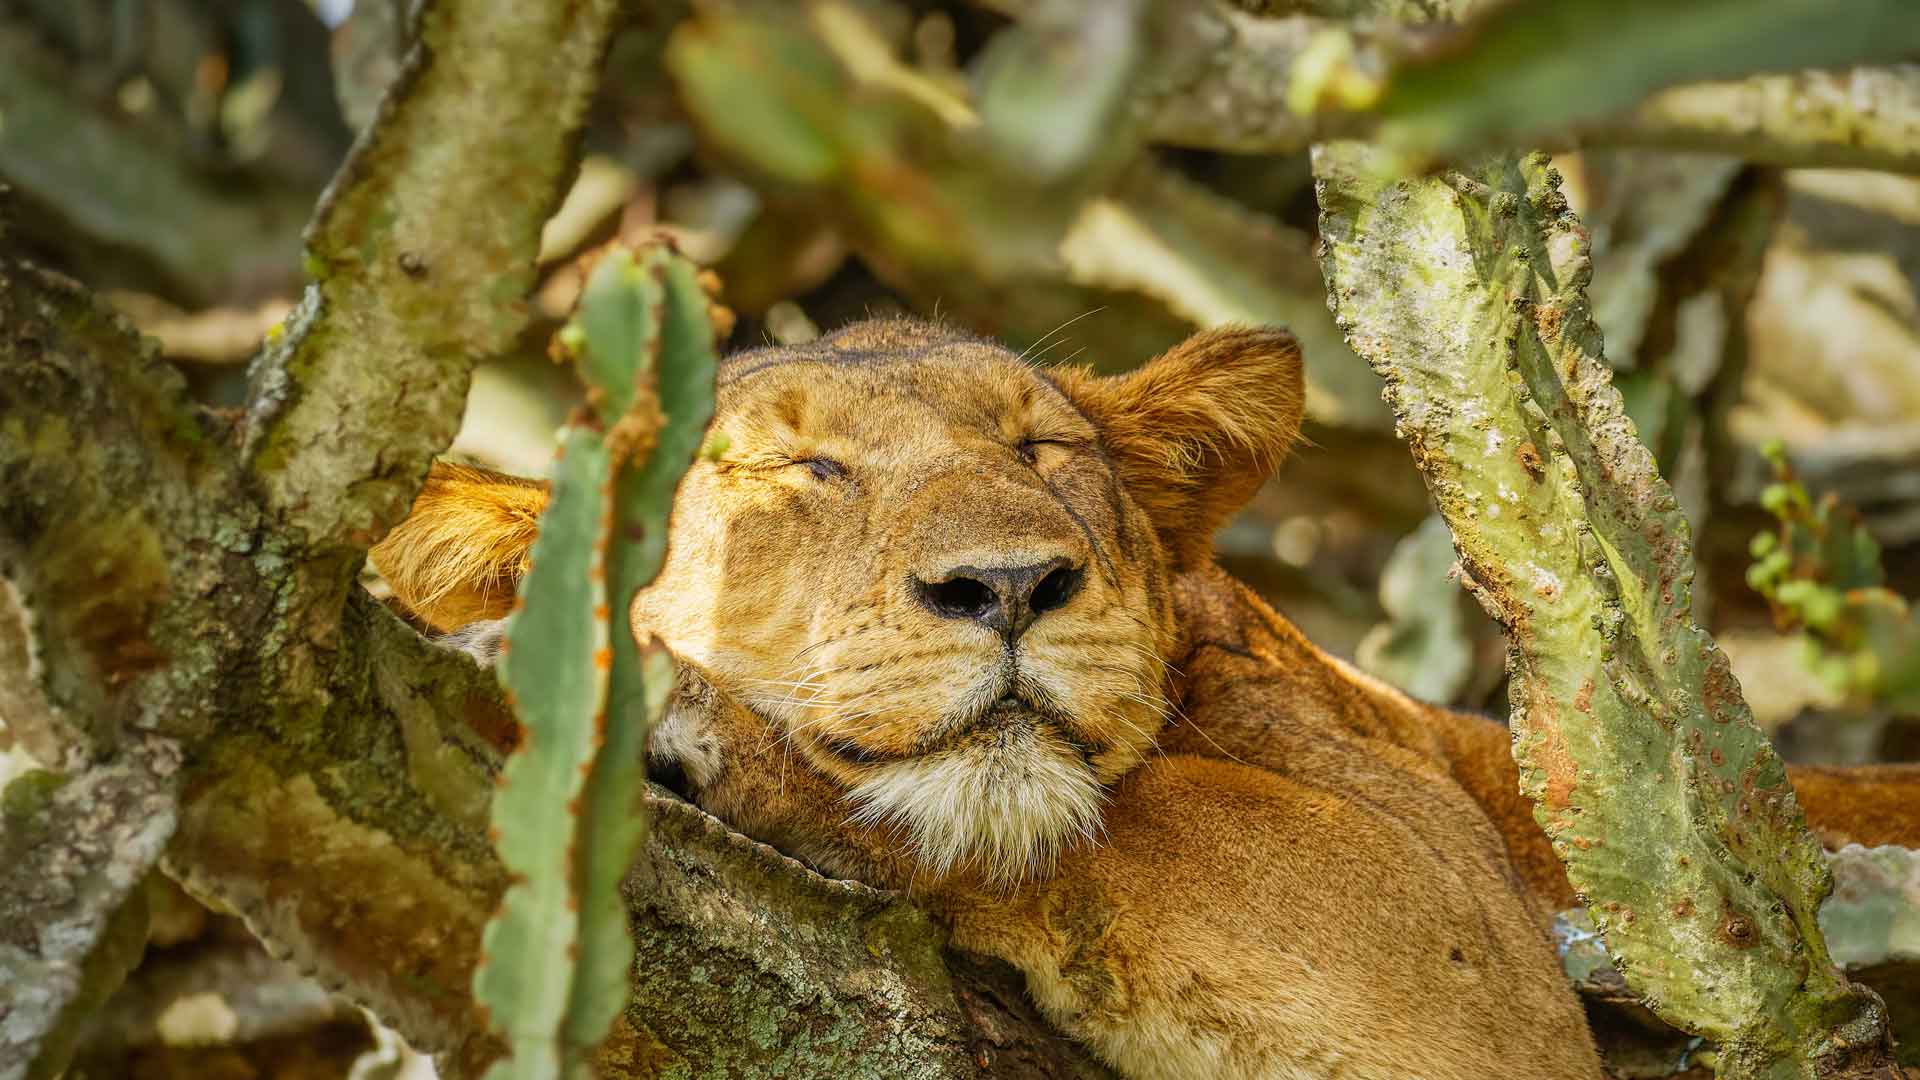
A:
950	622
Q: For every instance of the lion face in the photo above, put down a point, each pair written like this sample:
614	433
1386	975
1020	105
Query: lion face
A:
920	559
915	559
937	575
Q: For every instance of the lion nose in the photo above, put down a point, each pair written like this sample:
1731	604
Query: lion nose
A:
1005	598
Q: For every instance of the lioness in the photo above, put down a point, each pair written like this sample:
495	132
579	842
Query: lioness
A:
951	623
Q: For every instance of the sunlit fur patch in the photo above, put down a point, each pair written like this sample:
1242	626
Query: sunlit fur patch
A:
1004	803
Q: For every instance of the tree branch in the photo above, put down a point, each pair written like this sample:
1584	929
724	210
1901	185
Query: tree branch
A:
363	860
1228	80
73	851
334	789
84	575
423	247
1866	118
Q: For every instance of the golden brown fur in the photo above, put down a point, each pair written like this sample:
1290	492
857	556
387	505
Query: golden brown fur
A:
461	552
951	624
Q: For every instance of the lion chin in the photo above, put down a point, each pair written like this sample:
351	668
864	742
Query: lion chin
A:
1003	800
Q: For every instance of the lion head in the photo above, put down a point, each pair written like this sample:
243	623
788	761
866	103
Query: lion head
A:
937	573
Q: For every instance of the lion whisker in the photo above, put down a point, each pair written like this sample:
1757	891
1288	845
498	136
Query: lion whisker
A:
1049	335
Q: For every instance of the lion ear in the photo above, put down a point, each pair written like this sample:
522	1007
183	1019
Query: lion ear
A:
1195	431
459	555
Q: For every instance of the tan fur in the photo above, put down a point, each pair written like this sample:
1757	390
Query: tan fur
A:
1195	432
1214	850
464	546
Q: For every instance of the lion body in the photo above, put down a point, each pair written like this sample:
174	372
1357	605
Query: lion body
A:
951	625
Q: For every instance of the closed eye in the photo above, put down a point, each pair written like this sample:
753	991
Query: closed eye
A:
822	468
1029	447
768	463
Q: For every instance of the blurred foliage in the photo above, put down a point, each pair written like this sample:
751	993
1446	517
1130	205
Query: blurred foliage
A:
1443	101
1425	647
1821	572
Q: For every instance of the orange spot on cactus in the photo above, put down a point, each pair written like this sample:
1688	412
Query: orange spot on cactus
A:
1561	772
603	659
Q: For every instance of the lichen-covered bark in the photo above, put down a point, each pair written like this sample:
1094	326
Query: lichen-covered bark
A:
169	628
423	248
85	579
786	973
1675	819
73	852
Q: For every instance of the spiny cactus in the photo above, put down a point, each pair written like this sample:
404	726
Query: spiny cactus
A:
1673	815
554	973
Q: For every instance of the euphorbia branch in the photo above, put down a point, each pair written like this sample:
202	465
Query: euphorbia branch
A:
1672	813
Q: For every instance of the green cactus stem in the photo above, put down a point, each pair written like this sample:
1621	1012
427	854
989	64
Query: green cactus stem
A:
567	818
1467	293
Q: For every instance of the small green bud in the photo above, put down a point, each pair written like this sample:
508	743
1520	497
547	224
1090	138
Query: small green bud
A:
1775	498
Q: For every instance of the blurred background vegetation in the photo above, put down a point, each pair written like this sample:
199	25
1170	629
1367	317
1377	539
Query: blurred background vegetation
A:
1069	178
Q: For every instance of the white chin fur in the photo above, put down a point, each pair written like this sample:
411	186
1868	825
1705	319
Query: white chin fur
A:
1007	808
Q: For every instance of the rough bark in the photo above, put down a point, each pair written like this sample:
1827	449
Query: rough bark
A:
75	618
